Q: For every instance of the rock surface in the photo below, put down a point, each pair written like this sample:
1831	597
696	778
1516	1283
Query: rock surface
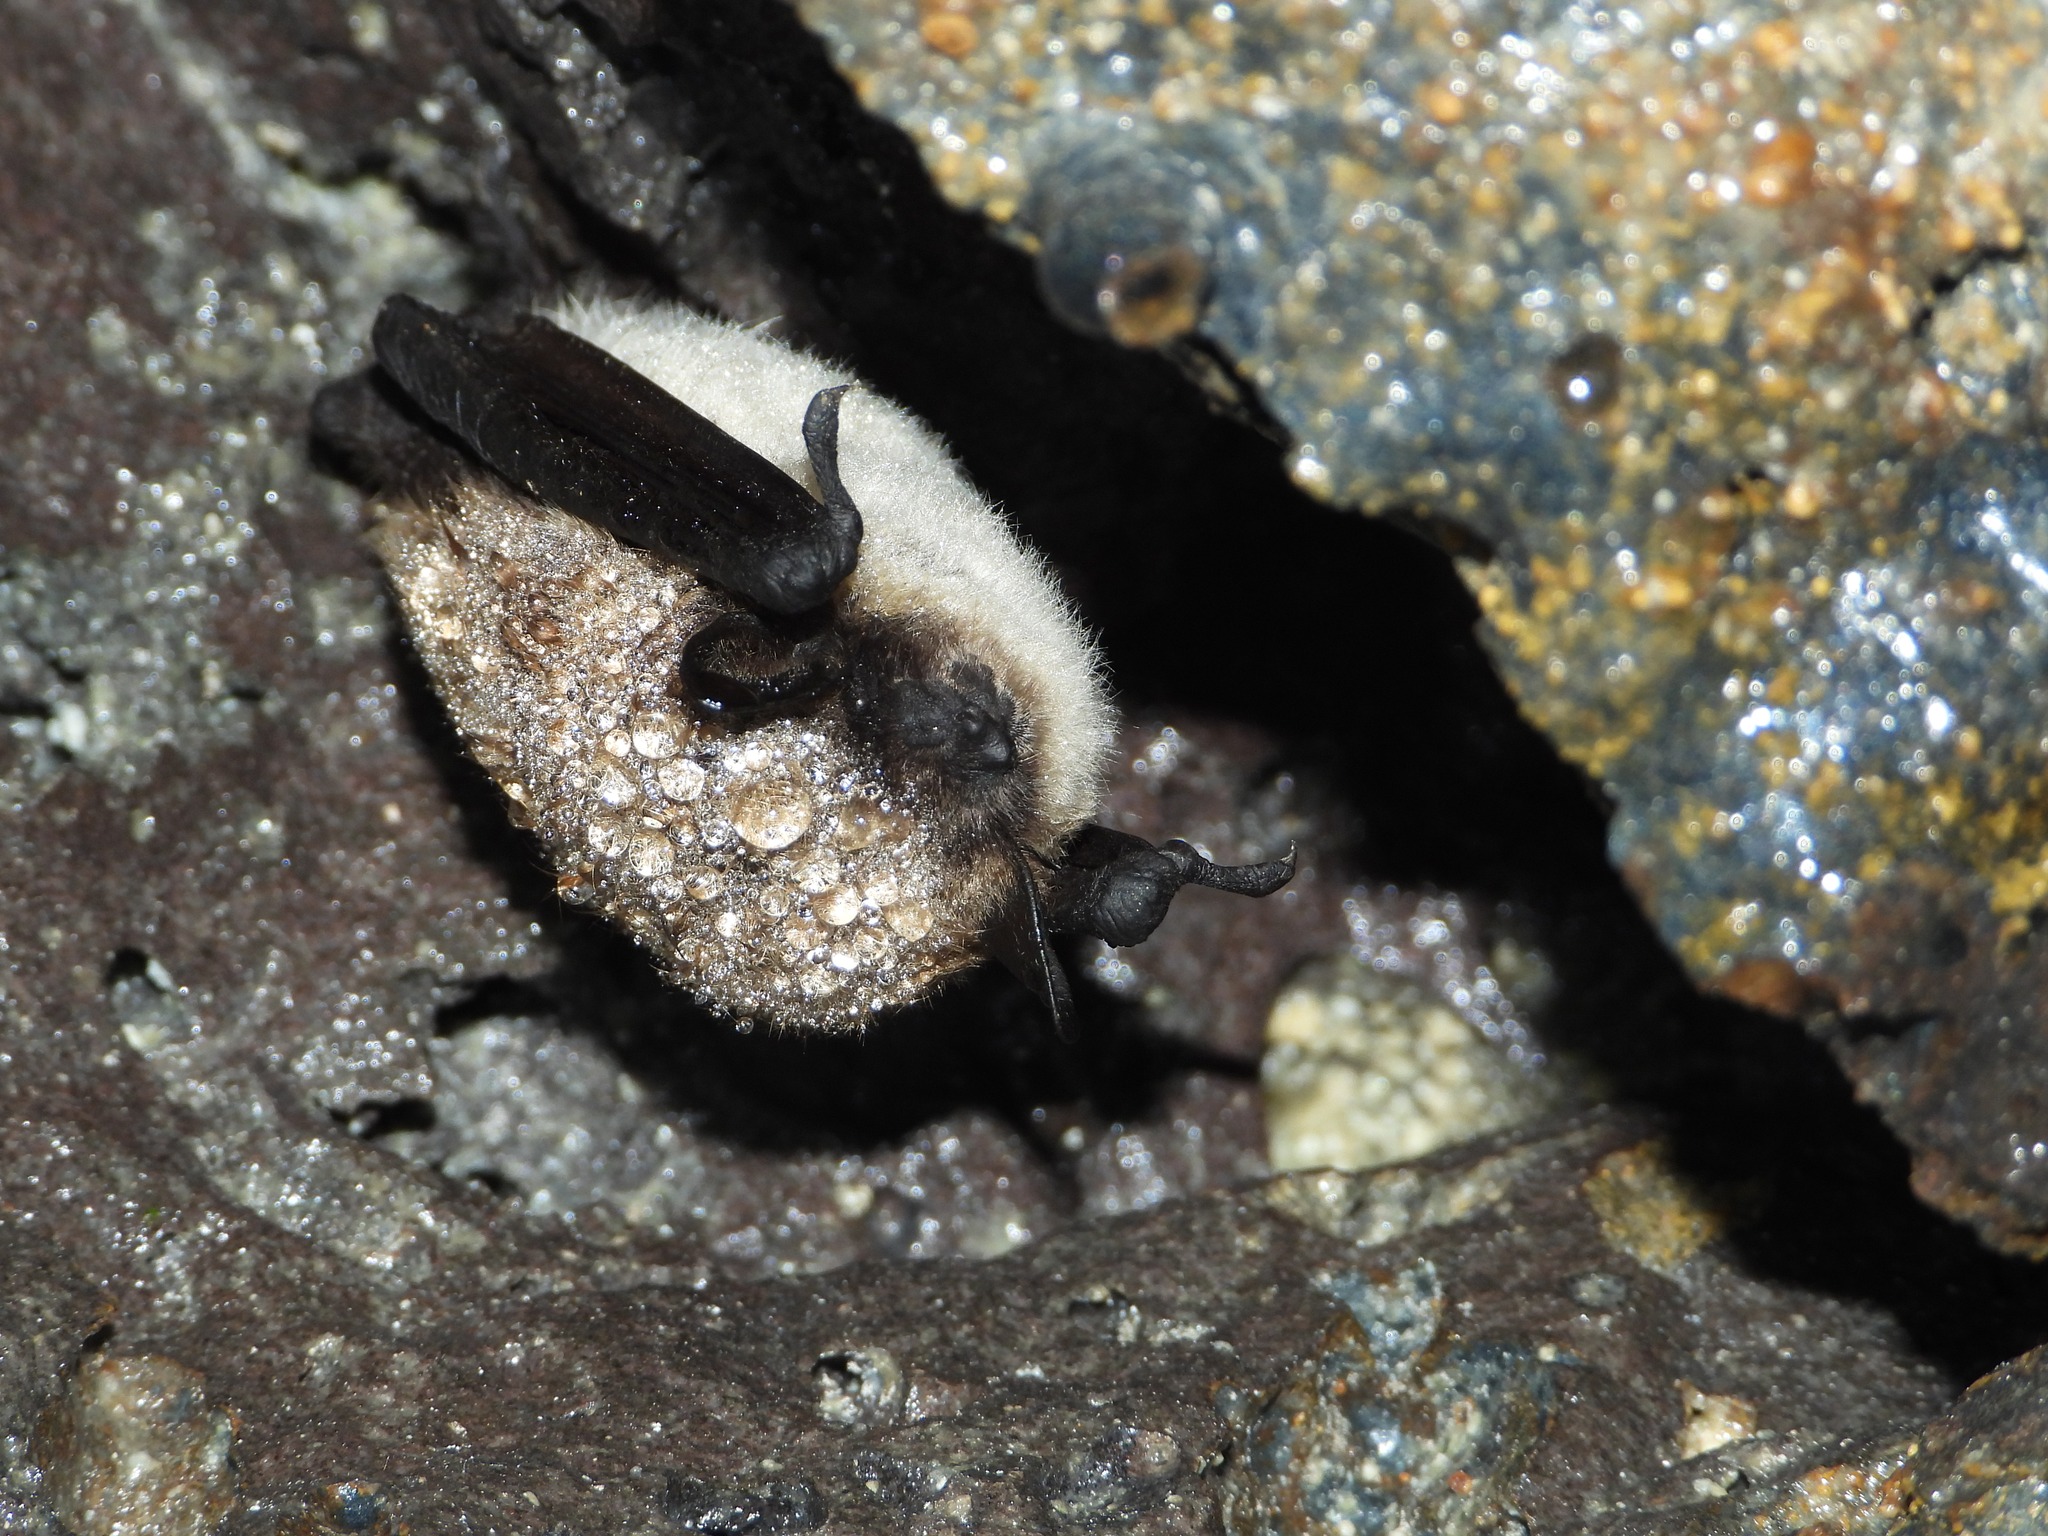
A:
327	1132
1712	338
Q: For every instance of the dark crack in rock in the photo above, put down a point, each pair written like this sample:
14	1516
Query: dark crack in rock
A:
1715	337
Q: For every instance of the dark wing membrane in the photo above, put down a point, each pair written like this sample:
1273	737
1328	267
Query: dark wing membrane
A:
1021	938
581	430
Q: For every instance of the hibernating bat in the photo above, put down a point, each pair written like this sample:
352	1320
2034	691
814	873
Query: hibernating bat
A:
777	689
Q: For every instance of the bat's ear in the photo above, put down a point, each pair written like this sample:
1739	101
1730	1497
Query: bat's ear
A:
1119	888
821	442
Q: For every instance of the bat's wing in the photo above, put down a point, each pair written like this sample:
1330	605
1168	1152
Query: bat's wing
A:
1021	938
580	430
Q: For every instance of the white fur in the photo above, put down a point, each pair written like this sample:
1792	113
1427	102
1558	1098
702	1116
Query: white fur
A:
930	543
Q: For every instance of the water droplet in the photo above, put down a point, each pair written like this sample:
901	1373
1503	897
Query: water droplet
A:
775	900
818	876
616	787
856	824
680	778
771	812
703	884
1586	378
618	743
659	736
608	835
911	920
838	906
650	854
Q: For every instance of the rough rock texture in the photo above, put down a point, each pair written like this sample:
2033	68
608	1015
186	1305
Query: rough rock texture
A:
1712	337
1980	1468
320	1117
1133	1373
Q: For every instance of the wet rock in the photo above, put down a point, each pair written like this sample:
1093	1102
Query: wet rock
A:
770	1509
1977	1468
1714	342
1363	1067
47	1314
133	1448
553	1122
462	1219
859	1386
1386	1427
1070	1381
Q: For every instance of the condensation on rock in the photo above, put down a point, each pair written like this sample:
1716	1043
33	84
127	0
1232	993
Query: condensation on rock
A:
1415	1036
555	1121
329	1189
1365	1067
765	865
1718	335
109	657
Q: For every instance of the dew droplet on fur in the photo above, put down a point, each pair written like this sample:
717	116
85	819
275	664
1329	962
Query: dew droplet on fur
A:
910	920
650	854
838	906
608	835
616	787
659	736
772	812
855	825
680	779
818	876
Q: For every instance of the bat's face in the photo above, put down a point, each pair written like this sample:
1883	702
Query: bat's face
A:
814	763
